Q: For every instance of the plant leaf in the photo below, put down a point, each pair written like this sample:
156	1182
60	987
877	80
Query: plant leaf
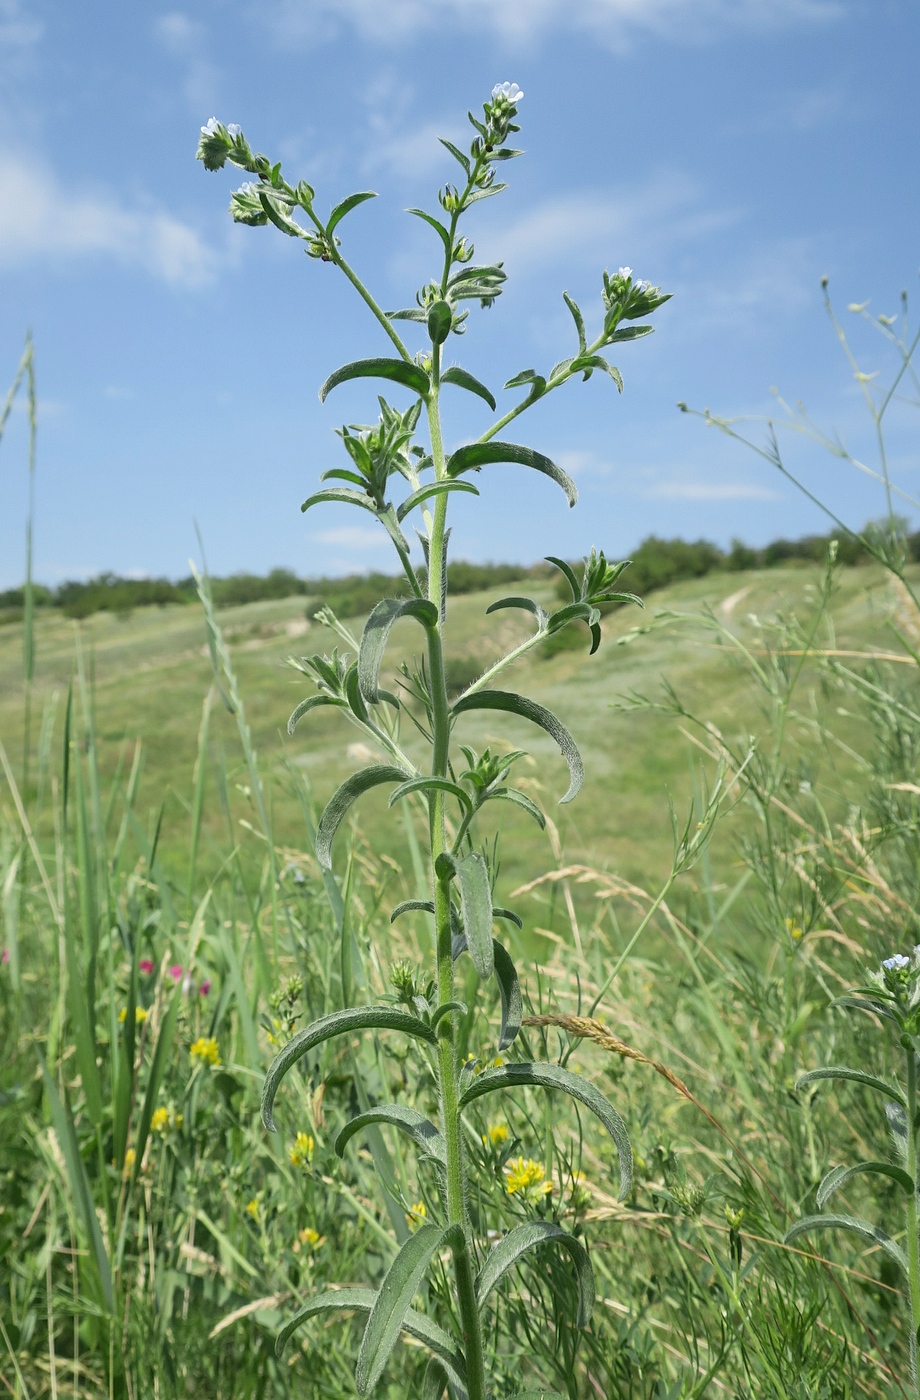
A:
313	702
343	495
464	380
392	1302
856	1227
438	227
480	454
434	488
427	784
526	605
509	1251
164	1047
567	570
342	799
376	633
457	154
630	333
520	799
579	322
472	876
856	1076
508	914
510	991
346	207
555	1077
362	1300
839	1176
440	320
355	1018
400	371
422	1132
537	714
411	906
588	363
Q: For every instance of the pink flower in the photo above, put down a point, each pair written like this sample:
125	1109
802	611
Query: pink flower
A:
204	988
5	956
175	972
146	966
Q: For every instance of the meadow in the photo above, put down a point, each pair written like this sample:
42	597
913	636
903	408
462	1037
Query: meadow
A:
156	1237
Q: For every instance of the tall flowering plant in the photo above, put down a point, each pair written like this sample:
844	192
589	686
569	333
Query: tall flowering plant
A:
392	476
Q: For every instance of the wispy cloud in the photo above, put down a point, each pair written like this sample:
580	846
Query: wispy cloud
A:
17	29
615	22
352	537
709	491
43	220
185	40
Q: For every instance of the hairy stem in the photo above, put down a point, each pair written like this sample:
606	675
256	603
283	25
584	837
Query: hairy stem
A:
913	1237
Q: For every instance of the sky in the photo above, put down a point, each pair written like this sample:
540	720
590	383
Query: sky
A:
731	151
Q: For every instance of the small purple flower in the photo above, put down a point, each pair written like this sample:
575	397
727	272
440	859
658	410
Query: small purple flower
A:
204	988
146	966
5	956
176	972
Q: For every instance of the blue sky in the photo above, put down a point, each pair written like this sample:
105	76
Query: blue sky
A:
731	150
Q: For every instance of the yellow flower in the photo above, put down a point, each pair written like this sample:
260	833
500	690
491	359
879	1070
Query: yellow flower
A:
205	1050
140	1015
417	1214
123	1015
160	1120
130	1158
301	1154
793	929
253	1208
497	1134
311	1239
528	1178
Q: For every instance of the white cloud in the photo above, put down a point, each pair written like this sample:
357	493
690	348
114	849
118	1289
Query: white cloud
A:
40	219
16	30
612	21
710	491
631	225
353	537
185	39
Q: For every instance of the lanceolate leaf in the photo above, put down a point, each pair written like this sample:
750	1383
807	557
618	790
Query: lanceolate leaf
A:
525	604
510	990
509	1251
342	799
439	228
856	1076
399	371
520	799
480	454
579	322
355	1018
434	488
839	1177
424	784
376	633
164	1048
410	906
440	319
313	702
856	1227
464	380
537	714
346	207
555	1077
472	878
630	333
344	496
566	569
387	1316
362	1300
408	1120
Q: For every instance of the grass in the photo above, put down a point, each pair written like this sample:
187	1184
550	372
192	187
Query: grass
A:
171	1271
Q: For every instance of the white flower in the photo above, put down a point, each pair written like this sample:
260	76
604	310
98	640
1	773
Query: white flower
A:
234	129
896	963
641	286
511	91
625	273
212	127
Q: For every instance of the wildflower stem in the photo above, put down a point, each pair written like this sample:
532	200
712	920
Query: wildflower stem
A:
913	1239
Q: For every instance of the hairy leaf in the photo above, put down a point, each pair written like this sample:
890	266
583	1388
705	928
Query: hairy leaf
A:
346	207
399	371
510	991
438	227
391	1304
579	322
313	702
555	1077
342	799
856	1076
480	454
425	784
412	906
434	488
520	799
342	495
355	1018
422	1132
362	1300
464	380
630	333
525	604
509	1251
472	876
440	319
856	1227
376	633
839	1176
537	714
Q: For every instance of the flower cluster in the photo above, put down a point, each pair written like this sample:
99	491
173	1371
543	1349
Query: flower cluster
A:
309	1239
301	1154
165	1120
527	1178
206	1050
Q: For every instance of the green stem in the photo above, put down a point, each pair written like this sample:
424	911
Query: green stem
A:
913	1237
365	295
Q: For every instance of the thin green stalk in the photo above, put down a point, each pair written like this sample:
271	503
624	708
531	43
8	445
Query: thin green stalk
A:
913	1231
